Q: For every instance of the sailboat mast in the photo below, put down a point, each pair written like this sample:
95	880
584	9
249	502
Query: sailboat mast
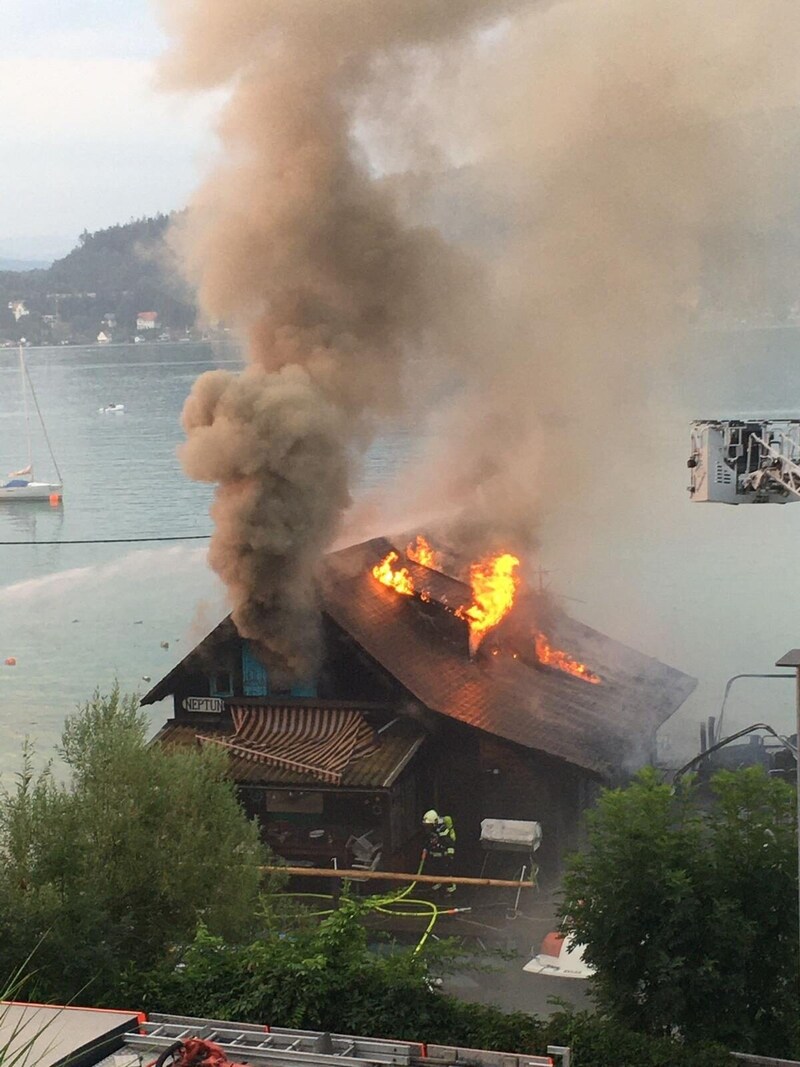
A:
24	377
41	421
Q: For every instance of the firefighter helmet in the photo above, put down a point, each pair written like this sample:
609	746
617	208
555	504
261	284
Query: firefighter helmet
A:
430	818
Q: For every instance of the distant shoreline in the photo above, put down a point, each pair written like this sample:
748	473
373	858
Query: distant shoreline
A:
233	343
143	345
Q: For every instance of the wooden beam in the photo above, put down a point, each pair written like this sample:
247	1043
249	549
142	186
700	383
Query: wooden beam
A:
394	876
763	1061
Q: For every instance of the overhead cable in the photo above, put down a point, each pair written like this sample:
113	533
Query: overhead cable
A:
113	540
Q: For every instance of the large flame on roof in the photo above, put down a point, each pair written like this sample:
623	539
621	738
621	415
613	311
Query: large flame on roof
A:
419	551
494	588
562	661
396	578
494	585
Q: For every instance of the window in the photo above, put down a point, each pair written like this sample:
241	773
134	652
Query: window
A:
221	684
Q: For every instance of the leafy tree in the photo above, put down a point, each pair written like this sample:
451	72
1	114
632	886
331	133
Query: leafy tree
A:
687	903
113	868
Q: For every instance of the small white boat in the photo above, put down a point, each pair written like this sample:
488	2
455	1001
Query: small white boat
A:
22	484
20	487
112	409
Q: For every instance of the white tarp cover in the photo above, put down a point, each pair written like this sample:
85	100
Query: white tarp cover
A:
510	835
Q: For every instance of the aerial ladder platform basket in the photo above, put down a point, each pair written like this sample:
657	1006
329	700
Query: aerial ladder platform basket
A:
752	461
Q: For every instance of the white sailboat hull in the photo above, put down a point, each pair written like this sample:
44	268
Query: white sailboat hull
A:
22	484
31	491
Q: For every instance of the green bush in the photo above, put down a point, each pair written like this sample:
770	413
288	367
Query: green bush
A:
600	1042
327	978
112	868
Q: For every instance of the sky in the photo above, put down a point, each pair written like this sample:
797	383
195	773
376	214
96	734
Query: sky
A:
87	140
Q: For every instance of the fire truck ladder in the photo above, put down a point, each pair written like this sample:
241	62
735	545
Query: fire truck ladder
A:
264	1046
781	465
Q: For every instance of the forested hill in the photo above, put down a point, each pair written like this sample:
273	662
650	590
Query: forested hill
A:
101	287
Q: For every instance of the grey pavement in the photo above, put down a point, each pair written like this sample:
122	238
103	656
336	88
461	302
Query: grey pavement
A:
494	925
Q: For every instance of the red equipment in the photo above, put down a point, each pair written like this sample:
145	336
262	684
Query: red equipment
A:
194	1052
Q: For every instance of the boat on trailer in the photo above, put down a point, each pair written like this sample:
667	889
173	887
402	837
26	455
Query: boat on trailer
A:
23	484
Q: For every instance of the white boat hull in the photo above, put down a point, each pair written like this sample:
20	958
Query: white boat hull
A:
31	491
22	484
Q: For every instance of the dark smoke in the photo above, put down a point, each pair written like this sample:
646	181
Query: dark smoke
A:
614	182
293	243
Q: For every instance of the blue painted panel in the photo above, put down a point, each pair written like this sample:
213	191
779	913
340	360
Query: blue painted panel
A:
305	689
255	678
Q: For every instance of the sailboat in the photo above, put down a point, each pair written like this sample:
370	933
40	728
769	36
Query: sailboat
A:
22	484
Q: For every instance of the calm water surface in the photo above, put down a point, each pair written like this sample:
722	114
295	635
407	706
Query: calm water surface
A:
712	590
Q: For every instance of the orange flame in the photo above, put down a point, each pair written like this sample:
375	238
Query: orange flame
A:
562	661
396	578
494	586
420	551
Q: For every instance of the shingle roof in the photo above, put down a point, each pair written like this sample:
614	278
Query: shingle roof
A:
598	727
379	770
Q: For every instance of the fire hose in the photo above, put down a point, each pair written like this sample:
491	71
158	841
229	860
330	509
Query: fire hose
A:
195	1052
386	905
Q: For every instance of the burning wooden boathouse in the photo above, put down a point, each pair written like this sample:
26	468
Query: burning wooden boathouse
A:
403	715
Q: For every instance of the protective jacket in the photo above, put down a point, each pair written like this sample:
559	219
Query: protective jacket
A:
442	839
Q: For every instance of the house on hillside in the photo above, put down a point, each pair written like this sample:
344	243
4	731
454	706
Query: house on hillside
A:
146	320
402	717
18	309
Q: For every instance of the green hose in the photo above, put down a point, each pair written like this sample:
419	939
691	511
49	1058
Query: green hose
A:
432	913
386	905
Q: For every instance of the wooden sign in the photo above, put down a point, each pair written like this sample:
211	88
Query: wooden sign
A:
205	705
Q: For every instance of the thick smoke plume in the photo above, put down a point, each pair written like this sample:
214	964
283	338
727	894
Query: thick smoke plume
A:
293	243
621	165
627	167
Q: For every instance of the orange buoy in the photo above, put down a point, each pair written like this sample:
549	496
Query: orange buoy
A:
55	500
11	661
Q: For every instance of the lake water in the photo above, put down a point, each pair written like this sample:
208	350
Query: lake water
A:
712	590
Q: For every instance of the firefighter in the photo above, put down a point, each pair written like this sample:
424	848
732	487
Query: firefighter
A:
441	847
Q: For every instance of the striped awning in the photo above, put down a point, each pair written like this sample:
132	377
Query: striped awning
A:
312	740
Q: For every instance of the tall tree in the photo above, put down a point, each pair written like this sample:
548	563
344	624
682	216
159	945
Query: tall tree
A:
113	868
686	900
